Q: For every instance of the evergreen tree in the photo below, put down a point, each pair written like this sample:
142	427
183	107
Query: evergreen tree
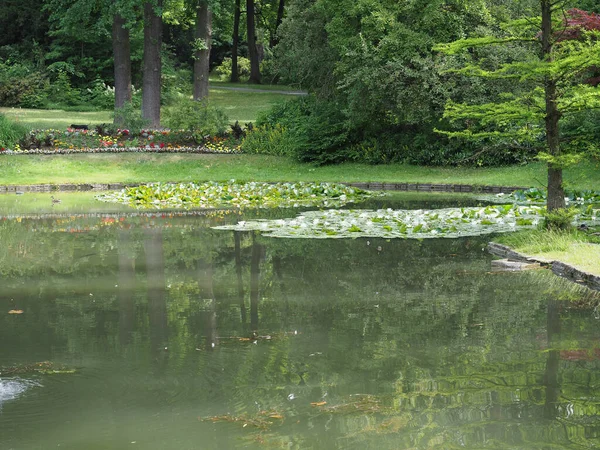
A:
567	50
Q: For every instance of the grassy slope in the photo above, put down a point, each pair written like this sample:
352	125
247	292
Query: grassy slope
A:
215	83
54	118
245	106
137	167
241	106
581	250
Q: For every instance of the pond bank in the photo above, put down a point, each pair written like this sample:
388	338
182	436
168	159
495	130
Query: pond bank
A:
557	267
408	187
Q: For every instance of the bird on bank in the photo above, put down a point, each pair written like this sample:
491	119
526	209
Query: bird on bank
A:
55	200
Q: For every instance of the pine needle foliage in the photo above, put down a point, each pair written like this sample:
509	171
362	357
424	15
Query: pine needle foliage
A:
558	86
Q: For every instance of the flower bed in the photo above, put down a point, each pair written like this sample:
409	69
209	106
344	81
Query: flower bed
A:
50	142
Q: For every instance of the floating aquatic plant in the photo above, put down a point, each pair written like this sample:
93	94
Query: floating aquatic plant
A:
535	195
44	368
232	193
389	223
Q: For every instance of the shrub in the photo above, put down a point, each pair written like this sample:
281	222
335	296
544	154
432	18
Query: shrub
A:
199	118
269	140
375	150
318	129
560	219
130	117
10	132
21	89
223	71
176	85
100	95
60	93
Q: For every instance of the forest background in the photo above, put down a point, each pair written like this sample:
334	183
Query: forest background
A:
379	86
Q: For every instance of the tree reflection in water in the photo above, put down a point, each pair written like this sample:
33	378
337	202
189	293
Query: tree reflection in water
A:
409	344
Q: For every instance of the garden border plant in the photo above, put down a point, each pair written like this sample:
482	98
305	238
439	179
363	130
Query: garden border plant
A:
107	139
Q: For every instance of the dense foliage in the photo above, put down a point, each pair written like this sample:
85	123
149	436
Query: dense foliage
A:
378	87
373	64
10	133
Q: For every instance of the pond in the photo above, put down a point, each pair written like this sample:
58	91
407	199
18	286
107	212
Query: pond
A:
163	332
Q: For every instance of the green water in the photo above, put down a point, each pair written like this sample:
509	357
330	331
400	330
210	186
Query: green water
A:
184	337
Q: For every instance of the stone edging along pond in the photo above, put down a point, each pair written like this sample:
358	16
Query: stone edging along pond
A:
412	187
558	268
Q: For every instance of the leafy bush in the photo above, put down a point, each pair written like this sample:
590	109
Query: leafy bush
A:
375	150
269	140
582	130
10	132
100	95
20	85
60	93
224	69
560	219
176	85
318	130
130	117
199	118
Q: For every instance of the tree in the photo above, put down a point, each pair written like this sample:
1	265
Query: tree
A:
235	77
202	45
557	78
280	12
71	16
252	50
122	63
152	62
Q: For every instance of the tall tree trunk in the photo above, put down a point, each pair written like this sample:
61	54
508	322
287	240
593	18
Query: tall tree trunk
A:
122	64
203	37
238	271
126	292
152	64
207	292
556	195
157	296
274	39
551	380
235	76
252	50
254	283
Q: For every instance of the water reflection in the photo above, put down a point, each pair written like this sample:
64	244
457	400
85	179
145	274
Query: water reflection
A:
328	344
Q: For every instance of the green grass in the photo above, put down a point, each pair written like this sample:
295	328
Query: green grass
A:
241	106
576	248
216	83
54	118
138	167
245	106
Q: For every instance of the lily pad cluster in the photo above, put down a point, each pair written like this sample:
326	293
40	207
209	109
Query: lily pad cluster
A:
535	195
234	194
389	223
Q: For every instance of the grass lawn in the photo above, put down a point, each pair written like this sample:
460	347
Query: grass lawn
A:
576	248
245	106
54	118
139	167
215	83
241	106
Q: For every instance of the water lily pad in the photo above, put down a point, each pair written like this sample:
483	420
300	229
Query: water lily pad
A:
234	194
389	223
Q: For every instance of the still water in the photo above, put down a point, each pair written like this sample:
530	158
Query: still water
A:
184	337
